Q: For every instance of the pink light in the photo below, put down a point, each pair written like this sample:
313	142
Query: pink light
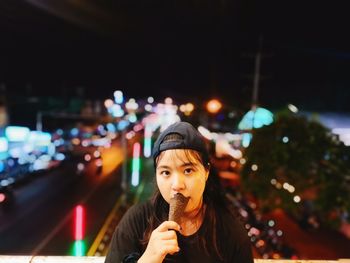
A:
147	132
79	223
136	150
2	198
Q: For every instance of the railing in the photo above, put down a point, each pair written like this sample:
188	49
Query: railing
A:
68	259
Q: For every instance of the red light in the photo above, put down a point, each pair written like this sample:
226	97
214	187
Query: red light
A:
2	197
79	223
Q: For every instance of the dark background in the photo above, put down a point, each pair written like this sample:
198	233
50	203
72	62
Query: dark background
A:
191	50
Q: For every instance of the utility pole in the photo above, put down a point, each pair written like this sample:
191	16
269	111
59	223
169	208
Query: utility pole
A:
257	74
256	77
39	121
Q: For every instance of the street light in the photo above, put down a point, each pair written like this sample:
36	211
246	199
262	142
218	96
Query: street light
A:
214	105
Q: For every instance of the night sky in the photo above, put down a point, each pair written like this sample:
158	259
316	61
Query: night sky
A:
191	50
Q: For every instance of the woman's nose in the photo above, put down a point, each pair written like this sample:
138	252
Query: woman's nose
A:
178	182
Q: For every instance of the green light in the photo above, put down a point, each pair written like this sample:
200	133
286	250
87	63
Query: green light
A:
79	248
147	147
135	176
136	164
246	139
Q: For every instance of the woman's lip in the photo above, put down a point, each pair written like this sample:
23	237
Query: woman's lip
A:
172	196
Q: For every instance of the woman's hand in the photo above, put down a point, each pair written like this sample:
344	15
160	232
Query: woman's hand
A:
163	241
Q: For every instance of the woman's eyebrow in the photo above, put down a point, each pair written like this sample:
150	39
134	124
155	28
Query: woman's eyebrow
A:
188	164
163	167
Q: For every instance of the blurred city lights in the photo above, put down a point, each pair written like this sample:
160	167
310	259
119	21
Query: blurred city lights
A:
80	166
138	127
118	97
60	156
87	157
148	107
5	182
59	132
135	176
79	222
15	153
293	108
131	105
246	139
84	143
183	108
2	197
214	105
97	154
271	223
4	146
2	166
254	167
288	187
130	134
74	132
187	108
150	99
122	125
205	132
256	118
79	248
16	133
39	138
108	103
117	111
110	127
132	118
296	199
99	162
147	145
168	100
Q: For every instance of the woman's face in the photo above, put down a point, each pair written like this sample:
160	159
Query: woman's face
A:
179	171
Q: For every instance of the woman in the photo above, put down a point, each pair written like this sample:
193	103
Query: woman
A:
208	230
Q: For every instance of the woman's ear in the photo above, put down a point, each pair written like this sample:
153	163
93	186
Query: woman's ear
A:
207	172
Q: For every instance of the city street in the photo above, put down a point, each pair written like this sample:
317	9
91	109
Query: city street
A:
41	221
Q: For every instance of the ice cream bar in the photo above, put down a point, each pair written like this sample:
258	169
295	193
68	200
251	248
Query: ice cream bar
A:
177	207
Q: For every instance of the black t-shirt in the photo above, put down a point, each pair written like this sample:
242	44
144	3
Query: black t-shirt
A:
232	239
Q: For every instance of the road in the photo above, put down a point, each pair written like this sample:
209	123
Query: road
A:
41	221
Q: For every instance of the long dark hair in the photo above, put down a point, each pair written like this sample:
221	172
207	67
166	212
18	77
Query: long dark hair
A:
213	198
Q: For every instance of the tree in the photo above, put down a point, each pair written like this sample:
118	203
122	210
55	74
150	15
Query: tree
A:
294	162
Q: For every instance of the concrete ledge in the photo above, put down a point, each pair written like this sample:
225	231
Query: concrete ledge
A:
68	259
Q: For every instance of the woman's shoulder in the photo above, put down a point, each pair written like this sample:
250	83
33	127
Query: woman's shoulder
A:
136	217
142	210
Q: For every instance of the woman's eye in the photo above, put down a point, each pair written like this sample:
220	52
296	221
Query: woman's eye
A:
188	171
165	173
